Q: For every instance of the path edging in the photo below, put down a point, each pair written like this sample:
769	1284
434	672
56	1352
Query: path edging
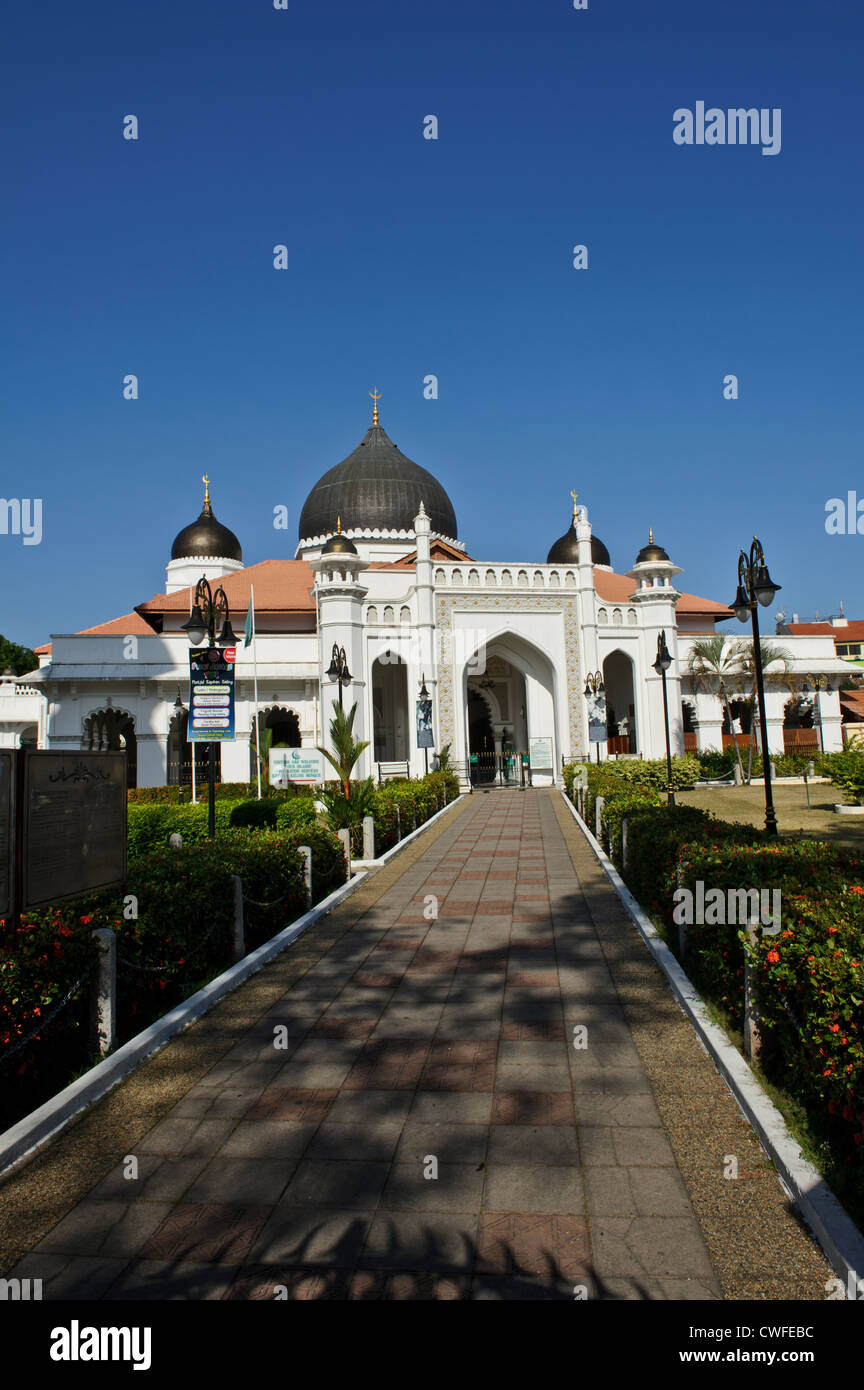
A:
34	1129
834	1229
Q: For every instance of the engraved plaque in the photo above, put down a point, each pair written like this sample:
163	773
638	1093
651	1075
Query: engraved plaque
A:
74	824
7	842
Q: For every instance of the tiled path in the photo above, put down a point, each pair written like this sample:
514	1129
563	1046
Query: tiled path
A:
414	1044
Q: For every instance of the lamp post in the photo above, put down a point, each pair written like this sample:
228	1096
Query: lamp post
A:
815	685
756	586
594	686
661	666
424	695
207	609
338	669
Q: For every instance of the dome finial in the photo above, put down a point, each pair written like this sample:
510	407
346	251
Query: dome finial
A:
338	526
206	481
574	495
376	396
650	536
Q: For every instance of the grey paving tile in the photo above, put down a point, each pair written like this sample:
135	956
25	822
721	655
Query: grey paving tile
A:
84	1277
248	1181
662	1247
325	1183
457	1188
447	1141
159	1179
517	1187
104	1228
447	1107
311	1237
421	1240
533	1144
372	1140
171	1281
267	1139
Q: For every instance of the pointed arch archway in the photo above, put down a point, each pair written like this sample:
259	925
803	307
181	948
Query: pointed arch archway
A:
518	682
622	713
280	728
108	731
390	722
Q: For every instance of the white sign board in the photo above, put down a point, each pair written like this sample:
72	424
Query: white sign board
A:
296	765
540	753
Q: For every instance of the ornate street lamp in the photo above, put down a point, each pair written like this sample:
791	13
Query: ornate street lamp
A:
424	695
208	608
661	666
338	669
756	586
594	686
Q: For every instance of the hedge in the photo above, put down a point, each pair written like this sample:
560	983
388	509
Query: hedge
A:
182	934
225	791
808	978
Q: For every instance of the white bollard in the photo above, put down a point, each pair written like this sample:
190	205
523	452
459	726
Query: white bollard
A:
368	837
398	825
345	837
239	943
625	855
307	873
104	1000
176	840
598	818
752	1041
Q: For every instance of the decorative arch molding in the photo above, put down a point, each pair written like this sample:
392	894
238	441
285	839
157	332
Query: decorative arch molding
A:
111	730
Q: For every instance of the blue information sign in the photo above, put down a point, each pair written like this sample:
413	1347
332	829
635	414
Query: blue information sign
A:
211	701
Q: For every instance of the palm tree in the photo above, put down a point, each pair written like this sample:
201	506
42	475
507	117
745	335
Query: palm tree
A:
713	661
347	751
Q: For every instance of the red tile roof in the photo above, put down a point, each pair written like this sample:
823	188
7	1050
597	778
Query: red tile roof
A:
616	588
281	586
852	632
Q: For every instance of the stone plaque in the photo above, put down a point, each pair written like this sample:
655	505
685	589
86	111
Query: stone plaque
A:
7	841
74	824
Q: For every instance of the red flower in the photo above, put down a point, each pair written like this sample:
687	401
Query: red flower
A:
773	957
85	921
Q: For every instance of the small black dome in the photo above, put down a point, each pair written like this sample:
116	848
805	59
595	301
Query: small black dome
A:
651	552
379	488
206	537
337	544
566	550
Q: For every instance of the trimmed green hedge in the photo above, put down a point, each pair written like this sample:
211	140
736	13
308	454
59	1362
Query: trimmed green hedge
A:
809	977
225	791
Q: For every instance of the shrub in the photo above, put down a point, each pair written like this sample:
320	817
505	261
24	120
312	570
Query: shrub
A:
846	771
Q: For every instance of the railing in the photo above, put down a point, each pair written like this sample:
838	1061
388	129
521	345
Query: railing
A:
388	771
497	770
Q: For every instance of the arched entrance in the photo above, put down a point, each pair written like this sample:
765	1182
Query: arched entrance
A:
510	713
390	740
621	722
108	731
280	728
181	752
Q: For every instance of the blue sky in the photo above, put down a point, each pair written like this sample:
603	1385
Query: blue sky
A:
409	257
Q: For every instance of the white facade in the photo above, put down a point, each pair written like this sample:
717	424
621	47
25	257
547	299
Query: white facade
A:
505	649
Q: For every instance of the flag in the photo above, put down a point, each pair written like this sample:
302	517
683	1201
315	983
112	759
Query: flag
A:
249	629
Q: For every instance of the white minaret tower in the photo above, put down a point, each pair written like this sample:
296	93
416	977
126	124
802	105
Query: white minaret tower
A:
656	597
340	625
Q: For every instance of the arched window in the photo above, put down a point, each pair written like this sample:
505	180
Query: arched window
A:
473	579
389	615
506	577
457	577
632	619
371	614
570	579
405	614
554	580
108	731
491	580
602	615
539	582
523	578
440	577
617	617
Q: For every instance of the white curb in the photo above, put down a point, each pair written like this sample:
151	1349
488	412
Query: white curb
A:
25	1136
835	1231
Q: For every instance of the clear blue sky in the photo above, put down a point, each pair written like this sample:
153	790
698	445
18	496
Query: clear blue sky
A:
410	257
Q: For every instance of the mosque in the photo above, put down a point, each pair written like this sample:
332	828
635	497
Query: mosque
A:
548	659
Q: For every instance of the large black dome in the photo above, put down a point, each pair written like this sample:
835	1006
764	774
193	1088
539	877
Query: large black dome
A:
377	487
206	537
565	551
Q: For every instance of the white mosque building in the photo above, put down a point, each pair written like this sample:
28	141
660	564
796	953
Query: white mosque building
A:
553	659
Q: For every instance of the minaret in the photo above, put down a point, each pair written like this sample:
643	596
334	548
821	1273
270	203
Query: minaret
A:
340	624
656	597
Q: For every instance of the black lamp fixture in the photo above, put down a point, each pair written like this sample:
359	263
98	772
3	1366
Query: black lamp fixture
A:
208	609
661	666
338	669
755	587
594	683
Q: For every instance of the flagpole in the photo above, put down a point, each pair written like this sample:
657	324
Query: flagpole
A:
255	669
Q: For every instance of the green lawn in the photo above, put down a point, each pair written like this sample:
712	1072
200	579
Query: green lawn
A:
794	818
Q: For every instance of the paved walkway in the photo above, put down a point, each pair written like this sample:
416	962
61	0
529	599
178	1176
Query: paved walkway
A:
414	1045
